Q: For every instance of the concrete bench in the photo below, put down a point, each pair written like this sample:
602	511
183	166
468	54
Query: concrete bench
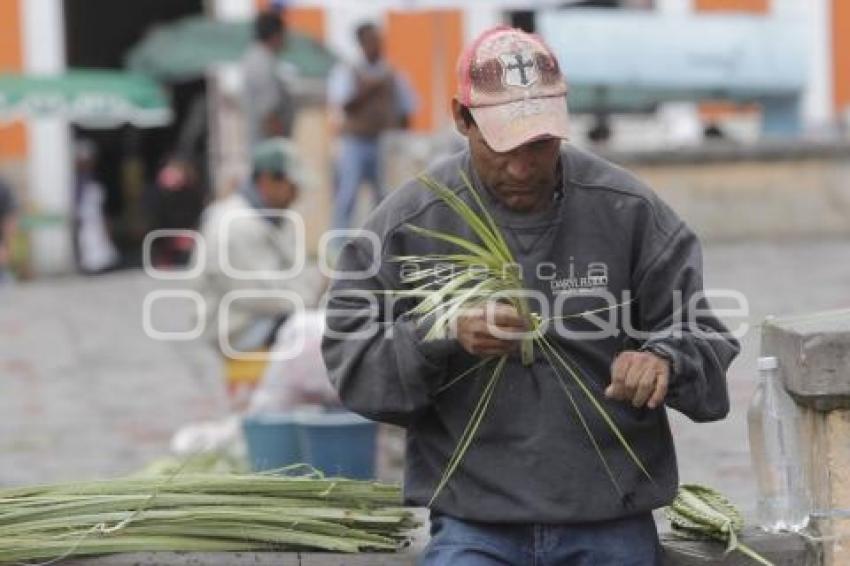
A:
781	549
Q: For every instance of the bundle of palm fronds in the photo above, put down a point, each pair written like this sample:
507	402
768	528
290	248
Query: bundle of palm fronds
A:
699	512
200	512
479	273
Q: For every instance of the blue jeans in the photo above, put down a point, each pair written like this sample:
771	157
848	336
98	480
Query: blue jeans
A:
358	161
6	277
621	542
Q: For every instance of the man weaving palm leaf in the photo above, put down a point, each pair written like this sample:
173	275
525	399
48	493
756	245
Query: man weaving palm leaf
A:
530	489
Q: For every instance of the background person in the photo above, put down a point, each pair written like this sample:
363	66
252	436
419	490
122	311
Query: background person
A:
96	252
268	104
255	241
367	99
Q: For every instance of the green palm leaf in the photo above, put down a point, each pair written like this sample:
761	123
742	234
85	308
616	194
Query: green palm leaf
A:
471	429
598	406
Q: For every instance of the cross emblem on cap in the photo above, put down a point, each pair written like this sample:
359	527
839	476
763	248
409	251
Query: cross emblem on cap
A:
520	69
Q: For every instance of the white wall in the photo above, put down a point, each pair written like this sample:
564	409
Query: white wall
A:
679	122
49	161
233	10
674	6
818	112
479	17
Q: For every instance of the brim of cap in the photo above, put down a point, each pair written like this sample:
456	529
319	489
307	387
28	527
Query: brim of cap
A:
507	126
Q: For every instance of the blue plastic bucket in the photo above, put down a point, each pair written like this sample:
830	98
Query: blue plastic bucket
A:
339	444
272	440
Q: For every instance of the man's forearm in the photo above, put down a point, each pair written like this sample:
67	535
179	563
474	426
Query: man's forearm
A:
699	361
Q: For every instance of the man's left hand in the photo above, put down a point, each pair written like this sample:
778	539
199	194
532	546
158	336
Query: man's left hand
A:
639	377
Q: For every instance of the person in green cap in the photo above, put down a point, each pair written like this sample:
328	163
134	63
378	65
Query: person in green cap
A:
251	247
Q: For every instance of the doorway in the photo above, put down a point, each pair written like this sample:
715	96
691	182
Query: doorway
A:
98	34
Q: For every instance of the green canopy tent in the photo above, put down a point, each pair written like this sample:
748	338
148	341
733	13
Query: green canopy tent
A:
92	98
185	49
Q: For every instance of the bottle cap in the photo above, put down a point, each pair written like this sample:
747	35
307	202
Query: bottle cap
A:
767	363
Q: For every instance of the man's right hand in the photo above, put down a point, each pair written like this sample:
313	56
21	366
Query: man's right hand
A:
481	330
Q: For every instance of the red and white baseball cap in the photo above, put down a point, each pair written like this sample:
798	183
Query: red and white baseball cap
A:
511	82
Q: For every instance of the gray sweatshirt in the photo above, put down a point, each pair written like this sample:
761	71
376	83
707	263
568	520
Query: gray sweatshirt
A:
532	460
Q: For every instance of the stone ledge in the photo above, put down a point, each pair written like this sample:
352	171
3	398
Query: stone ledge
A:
814	357
244	559
726	151
781	549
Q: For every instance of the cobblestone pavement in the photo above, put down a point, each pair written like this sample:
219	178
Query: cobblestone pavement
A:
84	393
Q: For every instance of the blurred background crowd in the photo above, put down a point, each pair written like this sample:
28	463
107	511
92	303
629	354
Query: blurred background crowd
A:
120	119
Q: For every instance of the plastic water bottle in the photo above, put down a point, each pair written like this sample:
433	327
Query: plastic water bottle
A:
774	429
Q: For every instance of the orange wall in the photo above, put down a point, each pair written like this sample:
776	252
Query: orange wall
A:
841	54
425	45
719	109
757	6
13	137
308	20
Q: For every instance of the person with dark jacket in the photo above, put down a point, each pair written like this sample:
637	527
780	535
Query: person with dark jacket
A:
8	209
531	487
